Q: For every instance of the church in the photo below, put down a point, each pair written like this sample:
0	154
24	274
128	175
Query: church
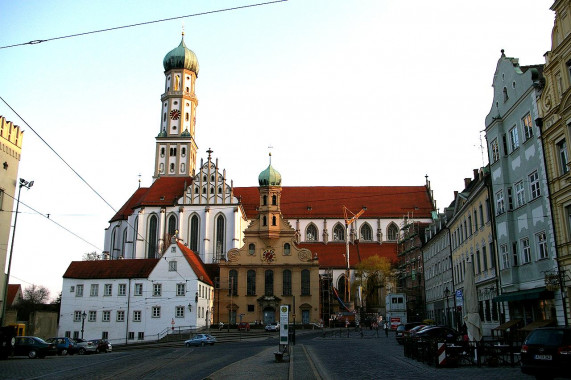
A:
233	230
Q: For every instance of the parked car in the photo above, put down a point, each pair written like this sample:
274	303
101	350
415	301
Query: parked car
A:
85	346
101	345
274	326
33	347
64	345
546	353
244	326
440	333
403	328
200	340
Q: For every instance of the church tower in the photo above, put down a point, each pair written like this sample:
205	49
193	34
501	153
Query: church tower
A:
176	146
270	196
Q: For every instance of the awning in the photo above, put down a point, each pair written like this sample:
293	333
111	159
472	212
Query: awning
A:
537	324
507	325
522	295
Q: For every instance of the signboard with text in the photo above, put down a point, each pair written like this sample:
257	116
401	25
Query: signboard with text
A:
284	320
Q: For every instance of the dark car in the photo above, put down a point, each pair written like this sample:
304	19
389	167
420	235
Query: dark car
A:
439	333
33	347
546	353
101	345
244	326
403	329
64	345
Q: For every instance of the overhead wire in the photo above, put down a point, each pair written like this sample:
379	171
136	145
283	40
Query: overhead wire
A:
35	42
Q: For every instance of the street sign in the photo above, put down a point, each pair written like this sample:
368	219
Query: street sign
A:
284	320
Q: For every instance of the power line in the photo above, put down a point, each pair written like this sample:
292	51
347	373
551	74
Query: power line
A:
35	42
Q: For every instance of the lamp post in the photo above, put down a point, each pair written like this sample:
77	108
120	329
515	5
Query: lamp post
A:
447	294
27	185
83	315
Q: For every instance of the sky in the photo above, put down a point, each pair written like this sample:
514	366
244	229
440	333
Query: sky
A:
346	93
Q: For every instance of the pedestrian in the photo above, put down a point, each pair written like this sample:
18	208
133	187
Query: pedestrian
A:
386	329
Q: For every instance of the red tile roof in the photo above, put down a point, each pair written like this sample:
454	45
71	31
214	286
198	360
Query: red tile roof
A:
127	268
12	292
328	201
195	263
332	255
165	191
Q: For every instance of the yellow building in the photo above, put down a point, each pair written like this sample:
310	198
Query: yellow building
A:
10	151
270	269
555	110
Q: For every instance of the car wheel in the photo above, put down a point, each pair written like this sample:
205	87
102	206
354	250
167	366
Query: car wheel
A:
202	344
81	351
187	345
97	350
63	352
32	354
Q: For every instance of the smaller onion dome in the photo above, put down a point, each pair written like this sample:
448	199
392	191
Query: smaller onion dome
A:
181	57
270	177
185	133
162	133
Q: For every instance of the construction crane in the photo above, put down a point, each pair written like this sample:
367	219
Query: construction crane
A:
350	218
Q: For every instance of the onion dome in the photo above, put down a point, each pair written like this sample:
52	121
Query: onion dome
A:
270	177
162	133
181	57
185	133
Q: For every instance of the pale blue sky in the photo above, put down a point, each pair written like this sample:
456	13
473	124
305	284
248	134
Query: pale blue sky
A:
371	92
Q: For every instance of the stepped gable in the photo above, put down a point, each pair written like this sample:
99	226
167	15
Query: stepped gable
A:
195	263
332	255
328	201
126	268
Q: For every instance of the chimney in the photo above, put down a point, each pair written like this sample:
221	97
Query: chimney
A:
455	194
476	173
467	182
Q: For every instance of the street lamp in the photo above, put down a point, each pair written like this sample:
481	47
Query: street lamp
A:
447	294
83	323
27	185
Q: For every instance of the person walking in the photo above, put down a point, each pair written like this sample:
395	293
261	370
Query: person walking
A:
386	329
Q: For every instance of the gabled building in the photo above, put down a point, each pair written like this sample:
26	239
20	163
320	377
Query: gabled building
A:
523	222
136	299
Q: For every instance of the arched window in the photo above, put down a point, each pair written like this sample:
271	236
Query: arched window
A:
220	229
112	251
274	200
274	221
233	282
341	282
172	225
252	248
305	283
194	233
311	233
124	244
366	232
251	283
152	237
392	232
287	282
264	200
287	249
269	283
338	233
264	221
135	237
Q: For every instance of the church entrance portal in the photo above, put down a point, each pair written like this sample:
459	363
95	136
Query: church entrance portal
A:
269	315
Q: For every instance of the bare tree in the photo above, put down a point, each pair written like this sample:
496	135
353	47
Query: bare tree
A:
36	294
91	256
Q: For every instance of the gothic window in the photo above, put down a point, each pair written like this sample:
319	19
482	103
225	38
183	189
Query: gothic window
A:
251	283
220	229
233	282
172	225
135	237
269	283
366	232
152	241
287	282
124	244
311	233
341	282
113	242
392	232
305	282
338	233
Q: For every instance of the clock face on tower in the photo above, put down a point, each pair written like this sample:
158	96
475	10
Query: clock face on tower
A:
175	114
268	255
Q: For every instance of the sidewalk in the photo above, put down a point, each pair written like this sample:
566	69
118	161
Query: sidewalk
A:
263	365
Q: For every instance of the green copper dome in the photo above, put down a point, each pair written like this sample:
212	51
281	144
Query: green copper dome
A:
181	57
270	177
